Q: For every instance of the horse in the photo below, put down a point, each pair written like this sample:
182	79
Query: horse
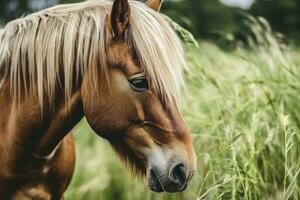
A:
120	65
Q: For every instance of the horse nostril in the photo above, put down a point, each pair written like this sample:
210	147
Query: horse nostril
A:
178	174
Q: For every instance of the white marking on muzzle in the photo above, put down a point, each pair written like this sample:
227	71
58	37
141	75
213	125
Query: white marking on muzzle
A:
158	158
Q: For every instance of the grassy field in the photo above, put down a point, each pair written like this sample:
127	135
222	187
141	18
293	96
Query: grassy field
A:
243	110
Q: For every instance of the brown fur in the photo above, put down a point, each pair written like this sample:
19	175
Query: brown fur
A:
154	4
25	135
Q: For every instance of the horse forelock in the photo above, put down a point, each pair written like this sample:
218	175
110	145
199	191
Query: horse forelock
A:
67	39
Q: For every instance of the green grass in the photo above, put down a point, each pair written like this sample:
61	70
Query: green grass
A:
243	110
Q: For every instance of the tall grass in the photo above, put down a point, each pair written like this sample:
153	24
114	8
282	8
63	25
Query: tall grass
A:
243	110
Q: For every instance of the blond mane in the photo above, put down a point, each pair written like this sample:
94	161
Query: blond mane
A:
53	48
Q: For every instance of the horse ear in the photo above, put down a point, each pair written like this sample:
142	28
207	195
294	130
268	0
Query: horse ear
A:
120	16
154	4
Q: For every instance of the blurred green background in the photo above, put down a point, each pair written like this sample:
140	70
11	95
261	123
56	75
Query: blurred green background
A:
209	19
242	104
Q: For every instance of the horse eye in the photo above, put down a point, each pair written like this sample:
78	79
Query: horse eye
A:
139	84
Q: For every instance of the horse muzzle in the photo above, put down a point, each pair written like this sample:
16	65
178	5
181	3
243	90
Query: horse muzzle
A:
176	179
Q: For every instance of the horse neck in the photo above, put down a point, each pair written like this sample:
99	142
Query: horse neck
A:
64	118
29	133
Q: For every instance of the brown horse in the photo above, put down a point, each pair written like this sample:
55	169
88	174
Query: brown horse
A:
119	65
